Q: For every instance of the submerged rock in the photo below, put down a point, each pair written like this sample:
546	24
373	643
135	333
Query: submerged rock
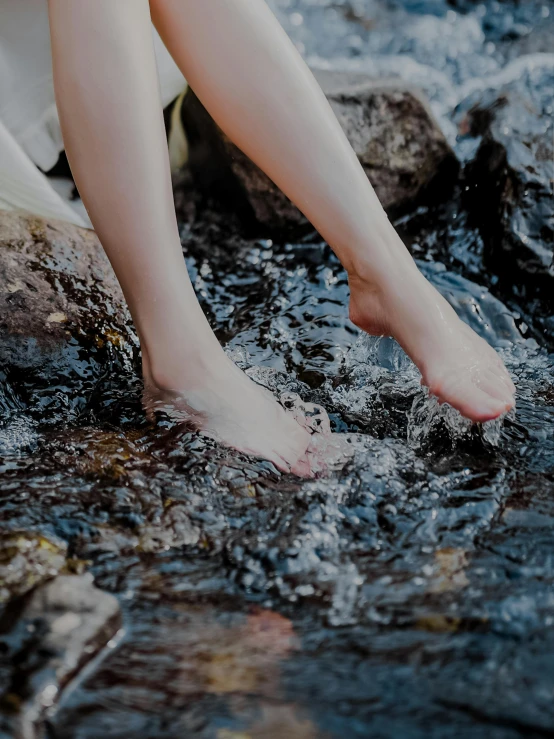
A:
392	131
26	560
174	529
513	171
60	628
62	313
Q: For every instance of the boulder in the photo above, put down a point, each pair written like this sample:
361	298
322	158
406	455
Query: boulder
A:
512	174
26	560
60	627
62	313
390	127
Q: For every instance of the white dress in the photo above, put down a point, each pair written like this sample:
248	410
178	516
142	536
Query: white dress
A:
30	134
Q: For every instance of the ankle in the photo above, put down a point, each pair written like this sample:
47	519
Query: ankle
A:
367	307
178	365
379	259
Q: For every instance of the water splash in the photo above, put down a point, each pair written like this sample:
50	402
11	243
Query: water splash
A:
429	422
18	436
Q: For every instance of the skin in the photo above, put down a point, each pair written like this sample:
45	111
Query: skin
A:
251	78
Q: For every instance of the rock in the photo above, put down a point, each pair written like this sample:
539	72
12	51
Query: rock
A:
513	172
62	313
58	630
391	129
26	560
175	529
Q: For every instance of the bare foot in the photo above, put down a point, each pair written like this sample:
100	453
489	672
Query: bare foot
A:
456	365
219	400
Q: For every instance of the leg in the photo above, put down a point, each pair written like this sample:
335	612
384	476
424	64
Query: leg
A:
253	81
107	93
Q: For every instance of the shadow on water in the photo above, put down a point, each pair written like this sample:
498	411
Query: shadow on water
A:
408	593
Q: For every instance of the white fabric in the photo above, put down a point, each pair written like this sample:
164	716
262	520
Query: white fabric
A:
23	186
29	126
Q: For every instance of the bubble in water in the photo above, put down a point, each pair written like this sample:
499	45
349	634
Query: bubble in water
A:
18	435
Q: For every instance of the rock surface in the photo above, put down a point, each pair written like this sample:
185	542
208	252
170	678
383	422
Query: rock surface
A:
26	560
62	626
513	172
401	553
399	145
419	583
174	529
62	312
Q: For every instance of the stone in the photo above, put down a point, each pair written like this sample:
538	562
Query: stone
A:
390	127
62	313
62	626
512	174
174	530
26	560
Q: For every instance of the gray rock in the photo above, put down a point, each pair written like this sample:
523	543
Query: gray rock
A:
513	172
174	529
391	129
26	560
58	296
66	622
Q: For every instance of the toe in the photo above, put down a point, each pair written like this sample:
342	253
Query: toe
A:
281	463
479	406
495	386
302	467
488	352
505	375
291	449
473	402
499	368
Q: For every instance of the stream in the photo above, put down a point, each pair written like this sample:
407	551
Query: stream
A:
405	593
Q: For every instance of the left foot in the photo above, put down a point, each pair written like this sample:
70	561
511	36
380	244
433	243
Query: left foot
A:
457	365
211	394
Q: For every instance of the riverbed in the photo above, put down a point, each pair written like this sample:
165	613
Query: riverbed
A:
406	592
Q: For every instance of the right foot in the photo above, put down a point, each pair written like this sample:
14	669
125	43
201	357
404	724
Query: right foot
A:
220	401
457	366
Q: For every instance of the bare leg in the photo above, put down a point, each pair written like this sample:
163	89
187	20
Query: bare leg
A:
107	94
253	81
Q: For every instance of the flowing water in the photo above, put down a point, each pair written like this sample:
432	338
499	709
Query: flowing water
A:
406	593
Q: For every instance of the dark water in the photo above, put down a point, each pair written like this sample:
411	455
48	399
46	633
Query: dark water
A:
407	594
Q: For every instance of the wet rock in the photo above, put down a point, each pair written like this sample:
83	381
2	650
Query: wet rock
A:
174	529
392	131
100	454
59	629
513	172
26	560
62	313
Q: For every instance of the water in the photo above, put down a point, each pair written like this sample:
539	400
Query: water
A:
408	593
